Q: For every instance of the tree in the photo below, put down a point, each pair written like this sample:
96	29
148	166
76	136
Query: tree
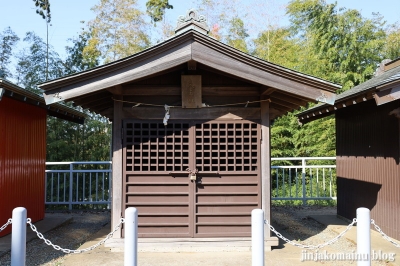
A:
77	60
237	35
277	45
156	9
43	9
31	64
119	30
92	140
68	141
392	43
331	43
282	140
220	17
8	40
328	42
348	45
317	138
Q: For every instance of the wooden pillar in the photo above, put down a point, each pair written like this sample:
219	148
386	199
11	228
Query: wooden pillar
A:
116	211
266	173
396	113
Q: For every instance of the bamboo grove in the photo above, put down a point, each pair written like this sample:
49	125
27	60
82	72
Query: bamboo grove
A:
321	39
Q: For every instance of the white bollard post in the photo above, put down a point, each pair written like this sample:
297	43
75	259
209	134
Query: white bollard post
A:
131	236
363	237
257	237
18	237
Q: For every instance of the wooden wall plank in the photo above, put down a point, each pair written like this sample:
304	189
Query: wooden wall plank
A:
217	113
230	91
287	98
284	103
138	90
266	166
117	160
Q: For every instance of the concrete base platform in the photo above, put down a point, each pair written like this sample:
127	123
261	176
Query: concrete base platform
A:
284	255
190	244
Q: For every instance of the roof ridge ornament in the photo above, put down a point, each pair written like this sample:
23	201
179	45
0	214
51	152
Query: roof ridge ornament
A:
192	20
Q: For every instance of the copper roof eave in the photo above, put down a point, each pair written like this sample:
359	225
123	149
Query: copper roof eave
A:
182	46
324	110
11	90
356	95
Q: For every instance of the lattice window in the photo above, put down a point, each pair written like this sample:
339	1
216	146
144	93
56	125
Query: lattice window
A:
155	147
226	146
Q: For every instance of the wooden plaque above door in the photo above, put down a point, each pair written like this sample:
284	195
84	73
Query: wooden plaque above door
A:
191	91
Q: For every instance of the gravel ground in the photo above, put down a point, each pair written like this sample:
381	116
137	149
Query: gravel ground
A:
293	222
71	236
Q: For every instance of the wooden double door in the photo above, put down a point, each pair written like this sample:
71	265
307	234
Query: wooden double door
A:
171	202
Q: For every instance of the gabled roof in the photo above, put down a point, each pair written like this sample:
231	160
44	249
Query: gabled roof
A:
10	90
362	92
188	45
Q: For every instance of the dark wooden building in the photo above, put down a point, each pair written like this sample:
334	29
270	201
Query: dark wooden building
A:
191	119
23	149
368	147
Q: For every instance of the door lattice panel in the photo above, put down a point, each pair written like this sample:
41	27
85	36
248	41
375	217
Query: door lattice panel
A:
155	147
226	146
218	203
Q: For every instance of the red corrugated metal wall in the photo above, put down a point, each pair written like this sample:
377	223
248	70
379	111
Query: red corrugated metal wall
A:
368	167
22	159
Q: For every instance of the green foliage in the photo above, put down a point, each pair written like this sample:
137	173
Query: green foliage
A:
331	43
392	44
68	141
347	45
8	40
277	45
282	141
43	9
156	9
237	35
77	61
316	139
119	30
287	183
31	65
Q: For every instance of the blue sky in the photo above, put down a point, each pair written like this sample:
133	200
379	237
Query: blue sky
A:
67	14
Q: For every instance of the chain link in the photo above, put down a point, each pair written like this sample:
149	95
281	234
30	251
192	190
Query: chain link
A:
385	236
330	242
122	220
6	224
76	251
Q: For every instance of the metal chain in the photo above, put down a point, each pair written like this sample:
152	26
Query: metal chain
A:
76	251
6	224
385	236
330	242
